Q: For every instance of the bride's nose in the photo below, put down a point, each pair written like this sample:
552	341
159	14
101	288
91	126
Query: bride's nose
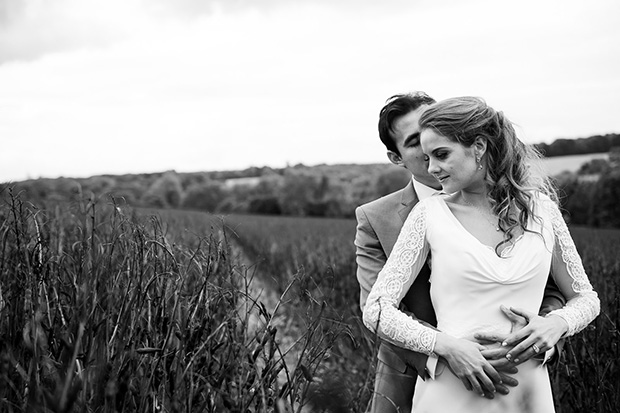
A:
432	166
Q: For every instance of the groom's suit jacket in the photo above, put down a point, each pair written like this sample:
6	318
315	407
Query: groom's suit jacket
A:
378	224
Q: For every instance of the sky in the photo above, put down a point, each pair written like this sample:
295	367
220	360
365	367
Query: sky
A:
91	87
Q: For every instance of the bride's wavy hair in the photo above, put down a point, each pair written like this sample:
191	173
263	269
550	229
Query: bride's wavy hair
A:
513	168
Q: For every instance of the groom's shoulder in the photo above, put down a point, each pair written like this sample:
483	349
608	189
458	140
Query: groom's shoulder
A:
386	202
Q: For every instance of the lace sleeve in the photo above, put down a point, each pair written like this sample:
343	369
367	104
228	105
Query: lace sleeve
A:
381	313
583	304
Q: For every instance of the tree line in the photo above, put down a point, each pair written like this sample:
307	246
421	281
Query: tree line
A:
324	190
580	146
589	196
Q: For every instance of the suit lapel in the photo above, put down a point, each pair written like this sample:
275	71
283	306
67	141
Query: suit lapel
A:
408	200
393	225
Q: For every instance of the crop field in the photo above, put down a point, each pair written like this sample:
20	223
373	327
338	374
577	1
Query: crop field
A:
106	308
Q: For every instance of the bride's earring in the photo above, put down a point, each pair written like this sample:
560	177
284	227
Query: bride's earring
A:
478	162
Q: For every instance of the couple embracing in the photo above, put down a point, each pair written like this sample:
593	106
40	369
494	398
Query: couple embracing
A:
468	275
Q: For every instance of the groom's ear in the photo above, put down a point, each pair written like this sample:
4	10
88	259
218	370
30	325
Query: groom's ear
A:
395	158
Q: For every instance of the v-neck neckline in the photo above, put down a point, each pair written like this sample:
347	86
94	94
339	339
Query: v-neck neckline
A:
503	253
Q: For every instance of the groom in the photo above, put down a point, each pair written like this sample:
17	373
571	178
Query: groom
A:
378	225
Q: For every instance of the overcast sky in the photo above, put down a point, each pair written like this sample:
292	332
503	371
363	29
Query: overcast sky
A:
92	87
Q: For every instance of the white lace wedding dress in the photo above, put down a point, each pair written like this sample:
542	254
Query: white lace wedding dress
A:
468	284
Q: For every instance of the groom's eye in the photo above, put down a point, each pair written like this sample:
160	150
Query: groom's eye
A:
412	140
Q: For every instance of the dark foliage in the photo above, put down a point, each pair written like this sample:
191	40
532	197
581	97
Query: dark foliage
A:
593	144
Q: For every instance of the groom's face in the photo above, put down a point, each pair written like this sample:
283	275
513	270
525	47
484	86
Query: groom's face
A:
406	135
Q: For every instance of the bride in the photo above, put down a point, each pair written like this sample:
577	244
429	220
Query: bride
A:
492	242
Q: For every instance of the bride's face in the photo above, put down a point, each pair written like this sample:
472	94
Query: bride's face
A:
451	163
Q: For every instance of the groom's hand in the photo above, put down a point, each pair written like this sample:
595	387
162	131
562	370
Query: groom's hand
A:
501	386
496	356
495	353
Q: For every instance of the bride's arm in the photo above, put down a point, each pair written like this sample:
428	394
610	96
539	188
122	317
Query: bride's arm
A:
381	313
582	305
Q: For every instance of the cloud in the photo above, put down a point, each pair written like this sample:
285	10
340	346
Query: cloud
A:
31	29
34	28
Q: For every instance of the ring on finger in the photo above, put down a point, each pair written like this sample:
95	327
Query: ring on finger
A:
535	348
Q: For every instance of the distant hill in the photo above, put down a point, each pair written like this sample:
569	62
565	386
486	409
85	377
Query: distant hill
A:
580	146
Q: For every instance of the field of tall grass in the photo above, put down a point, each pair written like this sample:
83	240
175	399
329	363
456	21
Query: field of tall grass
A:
107	308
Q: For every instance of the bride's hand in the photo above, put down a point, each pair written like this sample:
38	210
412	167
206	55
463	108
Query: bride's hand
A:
467	363
540	334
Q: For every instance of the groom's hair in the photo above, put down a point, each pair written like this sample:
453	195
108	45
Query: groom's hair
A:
395	107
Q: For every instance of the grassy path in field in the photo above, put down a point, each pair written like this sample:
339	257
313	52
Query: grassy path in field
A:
261	291
259	288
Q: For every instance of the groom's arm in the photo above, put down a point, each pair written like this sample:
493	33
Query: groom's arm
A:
553	298
369	255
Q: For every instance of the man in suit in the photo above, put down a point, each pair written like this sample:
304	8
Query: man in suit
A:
378	224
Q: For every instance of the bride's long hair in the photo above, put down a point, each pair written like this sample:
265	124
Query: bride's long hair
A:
513	175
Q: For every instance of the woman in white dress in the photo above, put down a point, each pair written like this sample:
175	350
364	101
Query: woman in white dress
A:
492	242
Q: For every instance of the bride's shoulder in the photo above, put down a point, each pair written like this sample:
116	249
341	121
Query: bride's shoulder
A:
544	205
542	198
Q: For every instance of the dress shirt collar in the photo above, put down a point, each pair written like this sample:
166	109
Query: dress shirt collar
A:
423	191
